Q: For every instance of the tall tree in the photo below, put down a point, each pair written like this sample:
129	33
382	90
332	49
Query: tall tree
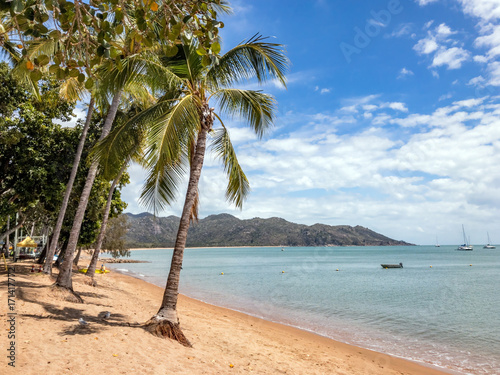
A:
177	129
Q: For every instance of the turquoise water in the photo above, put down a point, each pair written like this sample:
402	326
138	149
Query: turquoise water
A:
447	315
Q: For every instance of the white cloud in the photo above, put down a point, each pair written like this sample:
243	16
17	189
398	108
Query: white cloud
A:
400	31
426	46
494	73
444	30
444	49
480	59
324	91
452	57
397	106
485	9
445	96
490	40
425	2
404	73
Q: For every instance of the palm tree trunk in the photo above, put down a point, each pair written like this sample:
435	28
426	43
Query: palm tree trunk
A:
77	257
166	322
95	257
64	278
47	267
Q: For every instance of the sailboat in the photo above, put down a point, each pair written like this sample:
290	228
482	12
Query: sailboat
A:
437	243
489	246
466	246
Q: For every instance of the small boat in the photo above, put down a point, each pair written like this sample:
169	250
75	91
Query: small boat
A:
488	246
400	265
466	246
84	270
437	243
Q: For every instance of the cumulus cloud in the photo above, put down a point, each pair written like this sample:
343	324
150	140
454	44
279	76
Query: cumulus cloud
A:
439	43
426	46
452	57
487	10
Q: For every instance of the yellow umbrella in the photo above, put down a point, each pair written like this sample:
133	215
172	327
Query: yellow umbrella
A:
27	242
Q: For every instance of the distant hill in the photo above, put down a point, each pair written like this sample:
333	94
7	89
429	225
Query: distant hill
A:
226	230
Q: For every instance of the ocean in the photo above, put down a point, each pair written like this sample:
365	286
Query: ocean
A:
442	308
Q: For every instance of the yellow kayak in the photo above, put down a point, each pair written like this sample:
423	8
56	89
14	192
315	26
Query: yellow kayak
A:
84	270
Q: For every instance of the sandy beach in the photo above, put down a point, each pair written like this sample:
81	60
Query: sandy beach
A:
50	340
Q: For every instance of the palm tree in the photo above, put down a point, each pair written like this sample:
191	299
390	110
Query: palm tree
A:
114	80
177	129
136	154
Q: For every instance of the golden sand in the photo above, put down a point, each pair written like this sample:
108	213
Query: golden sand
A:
50	340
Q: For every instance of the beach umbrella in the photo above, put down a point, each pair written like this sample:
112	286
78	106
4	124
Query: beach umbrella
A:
27	242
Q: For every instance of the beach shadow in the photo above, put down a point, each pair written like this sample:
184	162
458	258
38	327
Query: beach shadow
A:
80	330
22	284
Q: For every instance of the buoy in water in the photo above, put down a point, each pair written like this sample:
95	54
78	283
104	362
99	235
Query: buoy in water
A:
430	266
222	273
337	269
282	271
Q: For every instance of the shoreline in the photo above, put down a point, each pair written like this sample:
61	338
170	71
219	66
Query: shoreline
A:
431	368
198	247
225	341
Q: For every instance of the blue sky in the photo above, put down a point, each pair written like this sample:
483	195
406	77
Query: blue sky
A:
391	119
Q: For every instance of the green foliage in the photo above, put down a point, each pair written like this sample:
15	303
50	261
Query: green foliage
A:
114	240
72	37
36	158
33	150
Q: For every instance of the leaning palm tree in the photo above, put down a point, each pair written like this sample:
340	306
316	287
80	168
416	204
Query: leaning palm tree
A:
177	129
115	81
136	154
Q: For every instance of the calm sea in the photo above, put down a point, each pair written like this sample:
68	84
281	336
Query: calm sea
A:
446	315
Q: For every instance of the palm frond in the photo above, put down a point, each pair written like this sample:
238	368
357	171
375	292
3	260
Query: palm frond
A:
166	152
224	7
254	107
140	93
238	186
161	184
72	90
171	132
47	46
8	51
254	58
190	65
123	140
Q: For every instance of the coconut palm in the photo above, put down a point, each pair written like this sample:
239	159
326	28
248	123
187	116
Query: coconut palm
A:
177	129
115	81
136	154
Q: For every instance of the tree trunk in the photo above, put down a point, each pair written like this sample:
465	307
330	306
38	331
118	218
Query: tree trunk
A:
95	256
43	254
47	267
77	258
166	322
60	256
64	278
7	239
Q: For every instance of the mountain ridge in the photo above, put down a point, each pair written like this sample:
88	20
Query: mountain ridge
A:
223	229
